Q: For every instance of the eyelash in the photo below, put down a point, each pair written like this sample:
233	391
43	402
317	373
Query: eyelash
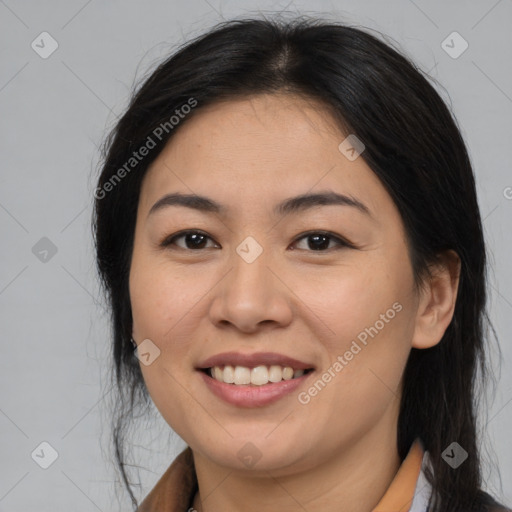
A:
342	243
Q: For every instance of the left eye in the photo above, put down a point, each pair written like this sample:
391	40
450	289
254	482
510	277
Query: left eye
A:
319	241
315	241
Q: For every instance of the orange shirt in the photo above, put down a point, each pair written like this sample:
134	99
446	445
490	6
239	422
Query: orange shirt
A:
175	490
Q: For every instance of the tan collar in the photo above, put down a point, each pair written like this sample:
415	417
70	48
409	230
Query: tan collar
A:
175	490
400	493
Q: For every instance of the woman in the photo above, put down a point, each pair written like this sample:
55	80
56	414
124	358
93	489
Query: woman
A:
287	228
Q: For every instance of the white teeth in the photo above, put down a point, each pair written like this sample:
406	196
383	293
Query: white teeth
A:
275	374
287	373
228	375
242	375
258	376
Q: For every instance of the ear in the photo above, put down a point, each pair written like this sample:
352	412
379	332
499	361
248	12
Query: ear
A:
436	303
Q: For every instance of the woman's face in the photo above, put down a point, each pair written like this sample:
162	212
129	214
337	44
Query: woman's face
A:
264	288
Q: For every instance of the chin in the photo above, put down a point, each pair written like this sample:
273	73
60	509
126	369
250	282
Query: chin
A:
256	453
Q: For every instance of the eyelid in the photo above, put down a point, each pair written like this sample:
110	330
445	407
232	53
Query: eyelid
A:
341	241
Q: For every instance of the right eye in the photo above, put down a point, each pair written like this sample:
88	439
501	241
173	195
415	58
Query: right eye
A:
193	240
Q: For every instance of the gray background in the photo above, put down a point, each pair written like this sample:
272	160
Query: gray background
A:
55	112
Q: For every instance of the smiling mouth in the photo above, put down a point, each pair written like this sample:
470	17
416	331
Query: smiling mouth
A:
257	376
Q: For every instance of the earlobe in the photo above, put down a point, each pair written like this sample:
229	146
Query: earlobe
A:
437	299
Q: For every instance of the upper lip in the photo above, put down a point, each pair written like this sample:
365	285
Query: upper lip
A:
253	360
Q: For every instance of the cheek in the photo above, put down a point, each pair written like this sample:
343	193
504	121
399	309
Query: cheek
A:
159	299
167	307
360	300
370	320
163	312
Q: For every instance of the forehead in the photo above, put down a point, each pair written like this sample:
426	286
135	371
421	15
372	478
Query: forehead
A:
259	150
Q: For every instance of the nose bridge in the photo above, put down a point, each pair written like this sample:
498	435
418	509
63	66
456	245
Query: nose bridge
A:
250	294
250	270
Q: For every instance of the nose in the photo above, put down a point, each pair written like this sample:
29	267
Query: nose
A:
251	296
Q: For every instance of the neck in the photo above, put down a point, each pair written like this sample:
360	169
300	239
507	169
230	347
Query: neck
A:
355	476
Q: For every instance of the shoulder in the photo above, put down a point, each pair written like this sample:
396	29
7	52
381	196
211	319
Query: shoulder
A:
491	505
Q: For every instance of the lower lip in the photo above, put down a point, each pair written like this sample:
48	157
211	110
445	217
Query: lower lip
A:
250	395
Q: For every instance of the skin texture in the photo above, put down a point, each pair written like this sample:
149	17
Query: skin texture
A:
250	154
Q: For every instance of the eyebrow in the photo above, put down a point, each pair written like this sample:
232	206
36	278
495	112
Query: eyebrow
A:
288	206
